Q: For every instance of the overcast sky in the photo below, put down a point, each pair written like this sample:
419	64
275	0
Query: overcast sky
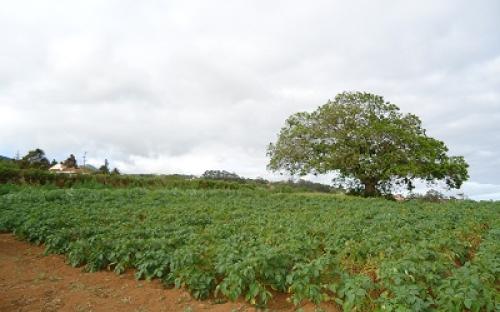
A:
185	86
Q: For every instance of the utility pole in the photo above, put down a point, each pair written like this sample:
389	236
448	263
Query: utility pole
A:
84	158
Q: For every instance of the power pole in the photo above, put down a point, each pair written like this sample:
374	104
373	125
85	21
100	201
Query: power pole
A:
84	158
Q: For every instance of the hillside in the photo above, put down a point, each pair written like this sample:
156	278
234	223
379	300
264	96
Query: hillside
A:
5	158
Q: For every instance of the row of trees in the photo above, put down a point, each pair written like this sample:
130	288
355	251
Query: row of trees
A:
36	159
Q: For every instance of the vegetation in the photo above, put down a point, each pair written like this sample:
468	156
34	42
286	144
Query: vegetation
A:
363	254
3	158
71	162
35	159
104	169
227	237
368	142
12	173
34	177
220	175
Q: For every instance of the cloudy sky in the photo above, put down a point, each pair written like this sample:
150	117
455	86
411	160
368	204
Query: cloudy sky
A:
184	86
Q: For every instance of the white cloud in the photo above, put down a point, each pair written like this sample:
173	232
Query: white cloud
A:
480	191
183	86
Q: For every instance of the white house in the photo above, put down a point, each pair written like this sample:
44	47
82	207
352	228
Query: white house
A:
60	168
57	168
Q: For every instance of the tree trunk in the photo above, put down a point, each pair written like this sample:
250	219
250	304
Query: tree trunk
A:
370	188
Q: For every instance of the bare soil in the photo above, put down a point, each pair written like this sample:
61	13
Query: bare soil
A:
32	281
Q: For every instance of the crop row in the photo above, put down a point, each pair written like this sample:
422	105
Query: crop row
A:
362	254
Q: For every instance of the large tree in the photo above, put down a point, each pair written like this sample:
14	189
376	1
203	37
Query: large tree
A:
368	142
104	168
71	162
35	159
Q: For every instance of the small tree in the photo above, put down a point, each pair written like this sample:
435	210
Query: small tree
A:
70	162
115	171
104	168
367	142
35	159
53	162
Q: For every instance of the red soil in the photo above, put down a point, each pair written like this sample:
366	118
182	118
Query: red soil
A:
31	281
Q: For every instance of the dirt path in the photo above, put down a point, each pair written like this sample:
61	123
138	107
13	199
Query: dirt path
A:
30	281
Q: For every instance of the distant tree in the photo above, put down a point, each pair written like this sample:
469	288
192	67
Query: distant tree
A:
70	162
53	163
104	168
261	180
312	186
430	196
35	159
220	175
368	143
115	171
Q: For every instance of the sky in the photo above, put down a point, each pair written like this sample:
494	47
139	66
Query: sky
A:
186	86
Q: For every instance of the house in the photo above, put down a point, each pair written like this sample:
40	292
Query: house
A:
60	168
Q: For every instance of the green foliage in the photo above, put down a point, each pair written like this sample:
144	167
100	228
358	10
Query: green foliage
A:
10	173
430	196
70	162
368	142
35	159
104	169
363	254
220	175
8	188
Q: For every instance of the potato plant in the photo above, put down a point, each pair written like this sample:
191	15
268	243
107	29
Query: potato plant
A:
361	254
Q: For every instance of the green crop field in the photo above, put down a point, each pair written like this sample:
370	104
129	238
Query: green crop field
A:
362	254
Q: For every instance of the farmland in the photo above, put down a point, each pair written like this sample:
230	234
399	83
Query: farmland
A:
361	254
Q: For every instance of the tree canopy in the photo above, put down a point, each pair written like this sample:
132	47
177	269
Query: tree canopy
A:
368	142
220	175
35	159
104	168
71	162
